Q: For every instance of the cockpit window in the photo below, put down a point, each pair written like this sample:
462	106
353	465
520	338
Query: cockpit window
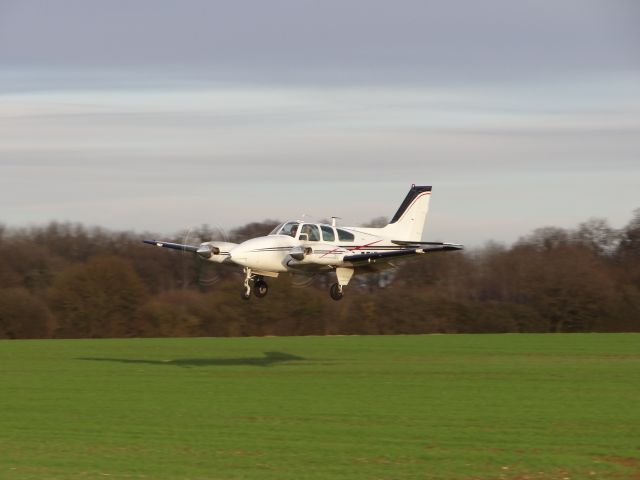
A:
345	236
290	229
311	231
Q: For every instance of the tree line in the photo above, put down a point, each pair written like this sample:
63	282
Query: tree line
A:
66	280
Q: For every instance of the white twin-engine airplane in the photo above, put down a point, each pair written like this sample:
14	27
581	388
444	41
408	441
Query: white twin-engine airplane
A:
307	248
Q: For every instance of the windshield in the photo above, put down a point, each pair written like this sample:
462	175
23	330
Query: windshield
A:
276	230
289	228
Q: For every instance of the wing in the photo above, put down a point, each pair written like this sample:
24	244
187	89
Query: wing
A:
217	252
429	246
413	248
174	246
360	259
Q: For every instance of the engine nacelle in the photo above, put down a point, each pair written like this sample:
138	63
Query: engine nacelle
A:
299	252
217	252
206	250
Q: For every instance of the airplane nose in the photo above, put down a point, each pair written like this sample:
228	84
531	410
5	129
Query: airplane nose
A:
236	252
259	253
238	255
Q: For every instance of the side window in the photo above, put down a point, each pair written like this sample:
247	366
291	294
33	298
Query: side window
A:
327	234
345	236
312	232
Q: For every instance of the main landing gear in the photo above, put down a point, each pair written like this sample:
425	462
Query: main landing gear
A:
336	292
260	287
343	275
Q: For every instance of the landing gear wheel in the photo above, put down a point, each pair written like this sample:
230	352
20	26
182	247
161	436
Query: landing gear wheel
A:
260	288
336	292
246	293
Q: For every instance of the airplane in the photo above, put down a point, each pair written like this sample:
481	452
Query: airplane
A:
301	247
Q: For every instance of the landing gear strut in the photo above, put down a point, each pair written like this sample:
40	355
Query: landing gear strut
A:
336	291
260	287
246	292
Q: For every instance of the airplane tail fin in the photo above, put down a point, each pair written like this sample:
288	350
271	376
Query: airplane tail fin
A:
408	222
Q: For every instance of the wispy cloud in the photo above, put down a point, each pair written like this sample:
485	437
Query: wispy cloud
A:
158	115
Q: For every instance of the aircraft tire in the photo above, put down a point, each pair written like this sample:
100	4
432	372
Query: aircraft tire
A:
335	292
260	288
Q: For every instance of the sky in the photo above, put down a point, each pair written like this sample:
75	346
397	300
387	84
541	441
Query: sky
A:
158	115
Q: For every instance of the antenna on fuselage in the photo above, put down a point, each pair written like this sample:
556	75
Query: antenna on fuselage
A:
333	220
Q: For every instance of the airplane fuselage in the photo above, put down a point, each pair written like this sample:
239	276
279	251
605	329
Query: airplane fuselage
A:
280	252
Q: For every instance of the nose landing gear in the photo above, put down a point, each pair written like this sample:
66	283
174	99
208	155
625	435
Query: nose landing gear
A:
260	287
245	294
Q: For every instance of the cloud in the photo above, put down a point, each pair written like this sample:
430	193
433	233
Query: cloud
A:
158	115
354	41
161	160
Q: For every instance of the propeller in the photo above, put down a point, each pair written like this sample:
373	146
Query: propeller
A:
206	273
302	279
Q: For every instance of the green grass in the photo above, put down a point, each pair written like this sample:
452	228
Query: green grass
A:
398	407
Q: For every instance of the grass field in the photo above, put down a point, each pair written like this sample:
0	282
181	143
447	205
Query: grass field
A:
397	407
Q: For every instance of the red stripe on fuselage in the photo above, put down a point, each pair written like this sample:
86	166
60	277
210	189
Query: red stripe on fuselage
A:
330	252
359	247
363	246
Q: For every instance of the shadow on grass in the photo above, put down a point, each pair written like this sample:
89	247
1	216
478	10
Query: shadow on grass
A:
269	359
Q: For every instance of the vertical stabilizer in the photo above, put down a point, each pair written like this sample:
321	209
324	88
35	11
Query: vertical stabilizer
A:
408	222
